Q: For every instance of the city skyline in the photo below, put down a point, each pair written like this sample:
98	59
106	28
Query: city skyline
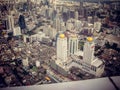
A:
45	42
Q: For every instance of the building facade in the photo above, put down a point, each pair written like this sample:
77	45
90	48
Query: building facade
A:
62	48
88	55
73	45
91	64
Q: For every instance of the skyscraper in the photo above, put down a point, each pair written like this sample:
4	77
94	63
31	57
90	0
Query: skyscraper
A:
89	47
10	22
73	45
62	48
91	63
57	23
21	22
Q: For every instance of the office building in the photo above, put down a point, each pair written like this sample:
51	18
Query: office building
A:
89	48
59	63
10	22
63	27
22	23
69	26
51	13
57	23
78	25
76	15
46	29
91	64
43	10
62	48
16	31
50	31
97	26
73	44
37	37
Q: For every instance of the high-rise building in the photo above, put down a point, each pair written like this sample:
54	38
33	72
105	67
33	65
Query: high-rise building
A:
52	33
58	23
91	64
63	27
62	48
89	48
21	22
73	45
97	26
37	37
10	22
47	29
51	13
76	15
78	24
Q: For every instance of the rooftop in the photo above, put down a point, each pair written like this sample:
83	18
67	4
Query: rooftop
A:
62	36
97	62
90	39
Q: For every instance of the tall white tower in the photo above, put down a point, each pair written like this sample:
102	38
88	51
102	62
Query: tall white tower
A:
89	47
73	44
62	48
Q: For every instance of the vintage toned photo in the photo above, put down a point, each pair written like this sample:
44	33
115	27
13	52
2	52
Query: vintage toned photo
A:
64	44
